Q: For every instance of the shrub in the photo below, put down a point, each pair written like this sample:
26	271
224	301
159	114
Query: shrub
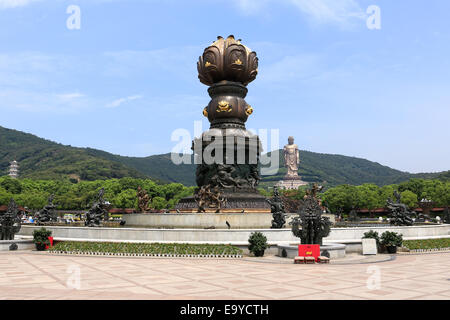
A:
41	235
372	235
391	239
257	244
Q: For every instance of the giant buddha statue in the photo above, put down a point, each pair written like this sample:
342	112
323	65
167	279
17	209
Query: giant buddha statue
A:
291	160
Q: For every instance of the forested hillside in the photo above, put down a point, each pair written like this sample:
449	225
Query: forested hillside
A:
43	159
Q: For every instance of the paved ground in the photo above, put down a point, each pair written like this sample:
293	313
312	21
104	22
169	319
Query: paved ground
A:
32	275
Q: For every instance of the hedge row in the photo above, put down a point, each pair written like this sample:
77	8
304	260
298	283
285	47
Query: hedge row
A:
176	249
427	244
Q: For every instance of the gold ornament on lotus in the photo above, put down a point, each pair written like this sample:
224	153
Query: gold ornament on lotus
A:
205	112
248	110
224	106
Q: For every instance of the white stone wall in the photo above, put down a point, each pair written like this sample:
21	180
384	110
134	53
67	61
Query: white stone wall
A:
232	236
349	235
200	220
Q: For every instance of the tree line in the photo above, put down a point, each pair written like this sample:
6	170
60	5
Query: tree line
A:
121	193
369	196
345	197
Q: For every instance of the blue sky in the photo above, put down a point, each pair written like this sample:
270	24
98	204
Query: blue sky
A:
127	78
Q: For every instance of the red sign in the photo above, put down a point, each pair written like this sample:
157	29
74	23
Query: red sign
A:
309	250
51	242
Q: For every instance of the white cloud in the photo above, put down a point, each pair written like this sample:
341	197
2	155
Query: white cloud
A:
59	83
69	96
5	4
291	68
166	60
45	102
338	12
251	6
330	11
116	103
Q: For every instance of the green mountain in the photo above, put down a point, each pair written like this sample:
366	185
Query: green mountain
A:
444	176
334	169
157	166
44	159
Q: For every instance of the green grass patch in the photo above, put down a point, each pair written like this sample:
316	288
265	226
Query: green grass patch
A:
146	248
427	244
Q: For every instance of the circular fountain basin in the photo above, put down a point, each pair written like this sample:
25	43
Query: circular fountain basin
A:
21	244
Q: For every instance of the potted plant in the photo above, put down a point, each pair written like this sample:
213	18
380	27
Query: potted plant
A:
257	244
391	240
40	238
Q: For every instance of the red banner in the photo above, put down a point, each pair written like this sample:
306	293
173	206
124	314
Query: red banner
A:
309	250
51	242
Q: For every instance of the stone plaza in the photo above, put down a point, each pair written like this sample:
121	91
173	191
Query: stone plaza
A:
36	275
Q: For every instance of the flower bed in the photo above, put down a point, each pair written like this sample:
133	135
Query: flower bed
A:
147	249
427	245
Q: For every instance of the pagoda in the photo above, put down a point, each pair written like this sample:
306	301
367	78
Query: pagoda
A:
14	169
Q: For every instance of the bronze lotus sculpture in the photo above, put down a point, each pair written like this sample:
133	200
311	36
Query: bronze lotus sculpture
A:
227	59
227	67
